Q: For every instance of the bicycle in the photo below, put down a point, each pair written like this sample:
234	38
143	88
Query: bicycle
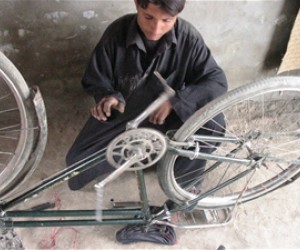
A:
257	154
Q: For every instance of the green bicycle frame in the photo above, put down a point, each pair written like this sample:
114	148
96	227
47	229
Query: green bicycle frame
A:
140	215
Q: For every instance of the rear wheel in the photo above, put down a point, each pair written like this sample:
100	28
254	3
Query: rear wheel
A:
264	119
16	124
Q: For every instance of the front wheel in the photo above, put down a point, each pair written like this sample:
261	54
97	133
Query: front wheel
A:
263	120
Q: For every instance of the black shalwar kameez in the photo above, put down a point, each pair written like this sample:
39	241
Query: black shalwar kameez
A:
122	65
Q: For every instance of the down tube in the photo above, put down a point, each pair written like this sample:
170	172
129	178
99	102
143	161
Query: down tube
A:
61	176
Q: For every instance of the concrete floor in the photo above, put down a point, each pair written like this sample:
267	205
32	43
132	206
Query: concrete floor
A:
267	223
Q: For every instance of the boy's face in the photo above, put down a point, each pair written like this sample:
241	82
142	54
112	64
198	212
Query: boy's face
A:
154	22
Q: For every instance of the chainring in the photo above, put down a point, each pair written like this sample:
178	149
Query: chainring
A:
147	144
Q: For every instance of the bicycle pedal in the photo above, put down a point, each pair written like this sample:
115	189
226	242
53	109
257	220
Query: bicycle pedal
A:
216	215
43	206
125	204
201	218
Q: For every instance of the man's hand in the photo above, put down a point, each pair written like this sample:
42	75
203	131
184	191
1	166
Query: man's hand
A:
102	110
159	116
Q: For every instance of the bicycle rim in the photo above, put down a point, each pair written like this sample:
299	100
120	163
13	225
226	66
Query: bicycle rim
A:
16	130
265	118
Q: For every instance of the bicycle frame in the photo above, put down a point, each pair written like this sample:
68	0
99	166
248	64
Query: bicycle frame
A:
63	176
139	215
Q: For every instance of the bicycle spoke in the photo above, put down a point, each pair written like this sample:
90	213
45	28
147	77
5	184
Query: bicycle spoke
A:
8	110
266	122
7	96
6	153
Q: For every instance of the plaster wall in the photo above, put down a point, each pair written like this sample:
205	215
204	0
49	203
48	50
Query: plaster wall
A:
53	39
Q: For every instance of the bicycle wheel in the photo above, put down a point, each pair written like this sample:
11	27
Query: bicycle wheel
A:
263	119
16	124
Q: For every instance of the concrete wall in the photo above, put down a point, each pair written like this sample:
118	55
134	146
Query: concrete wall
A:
53	39
50	41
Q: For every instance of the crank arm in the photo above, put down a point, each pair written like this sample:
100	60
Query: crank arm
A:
118	171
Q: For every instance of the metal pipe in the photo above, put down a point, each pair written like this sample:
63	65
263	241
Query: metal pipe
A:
143	194
55	179
67	223
199	155
70	213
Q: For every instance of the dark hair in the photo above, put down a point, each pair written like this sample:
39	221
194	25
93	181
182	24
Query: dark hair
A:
172	7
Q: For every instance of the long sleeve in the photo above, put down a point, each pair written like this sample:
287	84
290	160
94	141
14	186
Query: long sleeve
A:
98	79
204	81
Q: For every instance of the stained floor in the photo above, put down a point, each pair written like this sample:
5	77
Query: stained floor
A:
270	222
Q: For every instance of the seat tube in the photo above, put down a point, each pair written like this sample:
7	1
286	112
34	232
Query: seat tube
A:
143	194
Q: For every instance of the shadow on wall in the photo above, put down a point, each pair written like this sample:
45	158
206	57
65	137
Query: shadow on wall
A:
281	34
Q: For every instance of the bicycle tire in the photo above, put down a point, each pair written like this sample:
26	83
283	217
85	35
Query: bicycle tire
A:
16	125
273	106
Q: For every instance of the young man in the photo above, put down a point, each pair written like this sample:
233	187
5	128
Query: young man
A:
120	78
